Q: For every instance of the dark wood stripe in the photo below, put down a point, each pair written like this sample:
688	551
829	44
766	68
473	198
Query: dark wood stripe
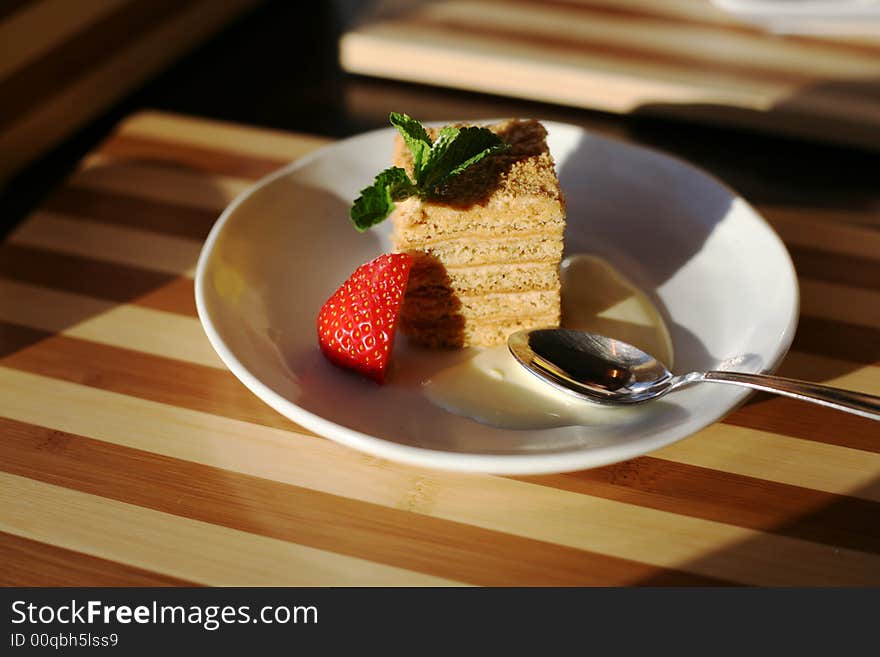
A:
848	342
177	297
632	54
62	66
14	338
792	511
98	279
95	278
164	380
122	210
299	515
837	268
790	417
32	563
204	160
10	7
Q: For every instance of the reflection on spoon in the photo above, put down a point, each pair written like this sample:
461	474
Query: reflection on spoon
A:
493	388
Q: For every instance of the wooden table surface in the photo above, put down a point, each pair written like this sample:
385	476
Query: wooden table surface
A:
129	455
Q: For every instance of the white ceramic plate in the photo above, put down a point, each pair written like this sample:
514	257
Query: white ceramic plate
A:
719	274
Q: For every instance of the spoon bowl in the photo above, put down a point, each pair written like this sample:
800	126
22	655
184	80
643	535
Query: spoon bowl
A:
608	371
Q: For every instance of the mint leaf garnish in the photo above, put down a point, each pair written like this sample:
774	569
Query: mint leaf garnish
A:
417	140
377	201
455	150
434	163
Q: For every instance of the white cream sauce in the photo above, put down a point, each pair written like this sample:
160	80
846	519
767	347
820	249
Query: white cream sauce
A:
494	389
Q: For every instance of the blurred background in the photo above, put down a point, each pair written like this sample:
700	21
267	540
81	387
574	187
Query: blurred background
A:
771	102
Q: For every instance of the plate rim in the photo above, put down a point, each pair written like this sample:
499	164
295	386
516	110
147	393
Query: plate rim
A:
496	464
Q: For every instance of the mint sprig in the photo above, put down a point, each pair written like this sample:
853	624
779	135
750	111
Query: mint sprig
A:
434	163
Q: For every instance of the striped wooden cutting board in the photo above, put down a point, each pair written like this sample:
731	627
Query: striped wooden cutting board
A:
681	58
130	455
63	63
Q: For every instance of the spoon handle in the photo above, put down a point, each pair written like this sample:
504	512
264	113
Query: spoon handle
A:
843	400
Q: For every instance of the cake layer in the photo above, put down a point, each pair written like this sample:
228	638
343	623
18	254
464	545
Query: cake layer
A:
433	303
455	333
417	221
471	250
480	279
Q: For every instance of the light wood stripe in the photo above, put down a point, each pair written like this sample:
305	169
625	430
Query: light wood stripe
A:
108	243
141	537
508	506
171	130
123	147
122	325
31	563
766	455
306	517
138	374
42	25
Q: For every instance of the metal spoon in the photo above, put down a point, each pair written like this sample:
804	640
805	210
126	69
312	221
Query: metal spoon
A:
609	371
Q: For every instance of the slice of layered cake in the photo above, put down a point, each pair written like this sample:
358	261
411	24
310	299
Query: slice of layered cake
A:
486	246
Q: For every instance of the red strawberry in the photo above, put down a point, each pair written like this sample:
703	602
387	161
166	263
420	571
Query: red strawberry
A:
356	325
